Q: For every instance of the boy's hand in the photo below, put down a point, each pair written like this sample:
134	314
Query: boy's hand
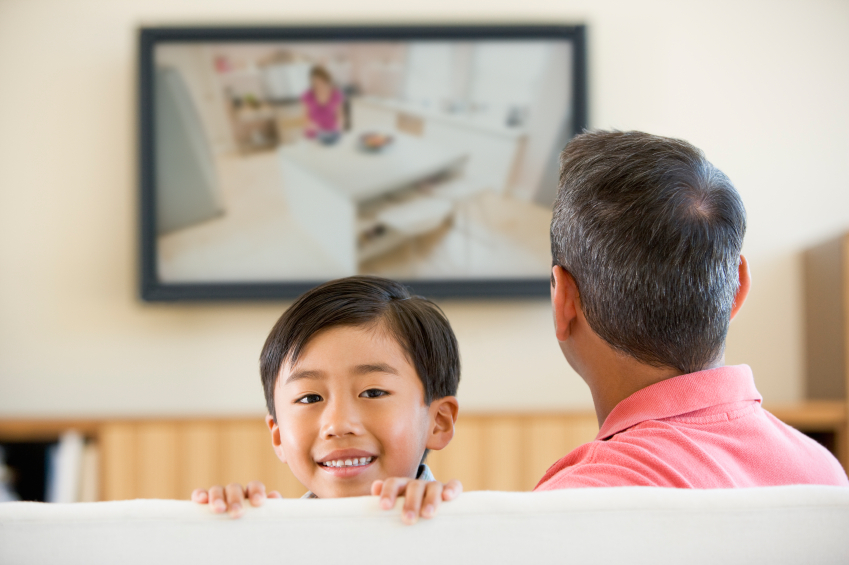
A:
421	498
230	498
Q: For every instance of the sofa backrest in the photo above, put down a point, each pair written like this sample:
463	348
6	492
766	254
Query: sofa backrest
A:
798	524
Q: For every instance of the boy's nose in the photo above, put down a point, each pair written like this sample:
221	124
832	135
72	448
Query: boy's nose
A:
339	419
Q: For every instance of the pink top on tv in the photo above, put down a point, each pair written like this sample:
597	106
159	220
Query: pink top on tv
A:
324	116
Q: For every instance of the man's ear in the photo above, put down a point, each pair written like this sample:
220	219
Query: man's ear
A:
564	301
275	437
443	416
745	278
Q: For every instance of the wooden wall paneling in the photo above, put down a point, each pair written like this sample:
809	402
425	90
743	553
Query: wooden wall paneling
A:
168	459
268	465
463	458
283	480
118	460
275	474
552	437
509	452
157	460
546	440
200	456
241	447
581	429
503	447
248	455
280	477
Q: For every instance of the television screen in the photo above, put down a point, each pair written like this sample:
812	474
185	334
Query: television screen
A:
274	159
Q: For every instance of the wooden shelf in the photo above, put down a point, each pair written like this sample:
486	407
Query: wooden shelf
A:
811	415
21	430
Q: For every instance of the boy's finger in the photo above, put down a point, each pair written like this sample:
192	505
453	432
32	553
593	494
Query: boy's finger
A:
274	494
376	487
256	493
392	487
235	496
200	496
452	490
216	499
432	498
413	501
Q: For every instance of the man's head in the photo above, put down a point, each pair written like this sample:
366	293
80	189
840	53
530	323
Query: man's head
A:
651	233
360	380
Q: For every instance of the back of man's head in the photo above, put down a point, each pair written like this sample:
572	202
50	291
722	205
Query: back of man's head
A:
651	232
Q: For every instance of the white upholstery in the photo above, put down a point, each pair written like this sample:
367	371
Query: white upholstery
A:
799	524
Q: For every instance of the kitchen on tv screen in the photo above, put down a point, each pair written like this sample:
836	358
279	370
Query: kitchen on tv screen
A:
300	161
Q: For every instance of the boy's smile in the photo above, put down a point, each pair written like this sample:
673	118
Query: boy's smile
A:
347	462
352	411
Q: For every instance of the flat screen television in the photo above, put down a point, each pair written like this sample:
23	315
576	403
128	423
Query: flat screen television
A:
273	159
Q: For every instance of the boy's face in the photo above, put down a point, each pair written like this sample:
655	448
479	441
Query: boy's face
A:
352	411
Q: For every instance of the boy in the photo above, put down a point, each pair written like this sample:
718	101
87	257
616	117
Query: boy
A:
360	380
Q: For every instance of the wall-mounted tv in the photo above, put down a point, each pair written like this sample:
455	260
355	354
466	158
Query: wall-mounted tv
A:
276	158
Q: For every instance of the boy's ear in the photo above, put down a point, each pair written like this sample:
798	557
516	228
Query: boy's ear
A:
443	416
275	437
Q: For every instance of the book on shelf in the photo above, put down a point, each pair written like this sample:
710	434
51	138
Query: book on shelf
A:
72	470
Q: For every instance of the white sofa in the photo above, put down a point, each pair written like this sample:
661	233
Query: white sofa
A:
798	524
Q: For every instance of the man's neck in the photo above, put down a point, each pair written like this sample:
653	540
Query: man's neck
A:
617	376
611	385
613	376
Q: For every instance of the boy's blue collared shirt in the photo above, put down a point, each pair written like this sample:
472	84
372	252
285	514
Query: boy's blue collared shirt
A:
424	475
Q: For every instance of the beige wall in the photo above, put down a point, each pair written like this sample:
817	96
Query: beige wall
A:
762	87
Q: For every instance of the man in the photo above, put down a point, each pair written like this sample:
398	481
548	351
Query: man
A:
646	239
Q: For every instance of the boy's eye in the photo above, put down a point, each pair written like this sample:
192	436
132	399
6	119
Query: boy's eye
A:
309	399
374	393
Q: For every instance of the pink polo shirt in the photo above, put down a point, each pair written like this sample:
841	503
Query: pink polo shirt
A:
701	430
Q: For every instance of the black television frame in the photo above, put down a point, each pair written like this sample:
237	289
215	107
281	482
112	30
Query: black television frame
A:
153	290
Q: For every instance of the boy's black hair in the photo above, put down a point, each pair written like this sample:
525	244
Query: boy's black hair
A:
418	325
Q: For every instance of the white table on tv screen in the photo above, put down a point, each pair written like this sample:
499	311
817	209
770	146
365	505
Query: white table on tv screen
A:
339	193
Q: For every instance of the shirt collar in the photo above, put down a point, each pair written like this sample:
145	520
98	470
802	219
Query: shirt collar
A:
681	395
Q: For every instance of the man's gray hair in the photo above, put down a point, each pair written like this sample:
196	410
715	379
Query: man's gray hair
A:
651	232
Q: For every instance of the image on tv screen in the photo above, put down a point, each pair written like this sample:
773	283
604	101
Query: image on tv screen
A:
303	161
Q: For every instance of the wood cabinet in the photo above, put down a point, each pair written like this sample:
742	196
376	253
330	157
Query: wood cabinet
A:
826	277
